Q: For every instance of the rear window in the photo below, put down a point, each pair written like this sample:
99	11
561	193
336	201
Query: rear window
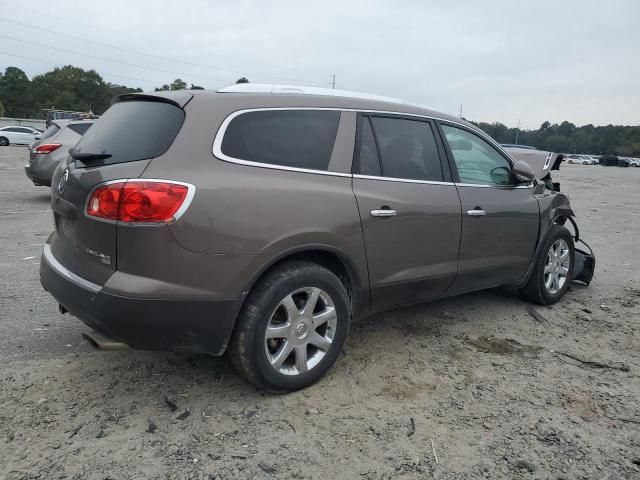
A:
50	132
290	138
80	128
133	130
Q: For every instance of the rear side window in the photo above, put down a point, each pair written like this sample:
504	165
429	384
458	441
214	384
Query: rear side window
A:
133	130
50	132
80	128
290	138
407	149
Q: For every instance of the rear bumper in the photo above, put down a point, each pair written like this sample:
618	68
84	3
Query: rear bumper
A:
37	180
200	326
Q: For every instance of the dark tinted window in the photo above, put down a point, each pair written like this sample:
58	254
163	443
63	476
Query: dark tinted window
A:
133	130
50	132
408	149
367	162
24	130
80	128
292	138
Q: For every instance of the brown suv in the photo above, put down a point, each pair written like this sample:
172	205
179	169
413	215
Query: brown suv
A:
261	220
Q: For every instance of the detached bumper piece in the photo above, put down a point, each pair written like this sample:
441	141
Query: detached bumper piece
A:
585	264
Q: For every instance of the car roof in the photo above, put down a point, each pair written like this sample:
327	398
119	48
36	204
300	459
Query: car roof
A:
17	126
316	98
341	96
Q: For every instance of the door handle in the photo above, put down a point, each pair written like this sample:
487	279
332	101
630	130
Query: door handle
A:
476	212
384	212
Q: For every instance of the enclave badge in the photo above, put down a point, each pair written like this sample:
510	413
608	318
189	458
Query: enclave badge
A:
63	181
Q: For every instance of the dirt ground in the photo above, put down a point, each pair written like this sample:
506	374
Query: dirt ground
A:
468	387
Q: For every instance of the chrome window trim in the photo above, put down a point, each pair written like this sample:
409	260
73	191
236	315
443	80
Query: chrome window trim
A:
400	180
217	141
48	257
191	191
433	182
502	187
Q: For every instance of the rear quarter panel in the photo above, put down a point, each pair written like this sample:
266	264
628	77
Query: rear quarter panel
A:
254	214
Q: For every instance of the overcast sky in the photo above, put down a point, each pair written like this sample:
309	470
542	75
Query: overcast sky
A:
502	60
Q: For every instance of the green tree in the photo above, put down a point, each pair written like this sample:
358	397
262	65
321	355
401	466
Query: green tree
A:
72	88
242	80
1	110
178	84
16	93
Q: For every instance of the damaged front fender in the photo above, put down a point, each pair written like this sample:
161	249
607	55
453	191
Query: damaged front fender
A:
556	209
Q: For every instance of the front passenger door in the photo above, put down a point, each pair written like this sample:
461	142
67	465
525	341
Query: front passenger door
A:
500	216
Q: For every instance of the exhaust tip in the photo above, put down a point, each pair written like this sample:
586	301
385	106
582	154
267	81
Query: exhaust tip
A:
102	342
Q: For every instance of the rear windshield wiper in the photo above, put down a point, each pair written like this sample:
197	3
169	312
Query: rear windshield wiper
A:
83	157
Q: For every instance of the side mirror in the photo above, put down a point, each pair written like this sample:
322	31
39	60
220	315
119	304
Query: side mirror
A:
523	171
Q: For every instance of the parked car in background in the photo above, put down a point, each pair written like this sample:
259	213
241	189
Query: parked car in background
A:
609	160
634	162
52	114
580	159
18	135
261	220
53	146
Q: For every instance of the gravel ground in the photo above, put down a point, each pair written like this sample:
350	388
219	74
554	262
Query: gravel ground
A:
468	387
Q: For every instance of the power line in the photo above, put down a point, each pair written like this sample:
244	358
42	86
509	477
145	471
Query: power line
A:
59	65
173	72
235	72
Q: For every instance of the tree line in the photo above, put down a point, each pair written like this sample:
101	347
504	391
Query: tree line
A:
569	138
72	88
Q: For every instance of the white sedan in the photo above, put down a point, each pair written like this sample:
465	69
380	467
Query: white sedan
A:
17	135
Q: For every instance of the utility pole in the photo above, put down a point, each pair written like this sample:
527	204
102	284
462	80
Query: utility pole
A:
333	81
517	131
460	113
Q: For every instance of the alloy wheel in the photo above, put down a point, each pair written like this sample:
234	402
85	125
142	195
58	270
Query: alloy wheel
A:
556	269
300	331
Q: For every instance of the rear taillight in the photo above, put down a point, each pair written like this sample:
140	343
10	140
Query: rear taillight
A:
47	147
139	201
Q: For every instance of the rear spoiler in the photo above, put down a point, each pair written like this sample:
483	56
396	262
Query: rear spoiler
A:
179	98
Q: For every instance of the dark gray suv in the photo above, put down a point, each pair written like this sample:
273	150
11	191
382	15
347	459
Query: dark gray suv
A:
262	220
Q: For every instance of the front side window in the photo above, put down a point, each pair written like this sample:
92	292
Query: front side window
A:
407	149
290	138
476	160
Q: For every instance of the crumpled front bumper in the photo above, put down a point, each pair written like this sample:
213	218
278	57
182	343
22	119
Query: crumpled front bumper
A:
585	263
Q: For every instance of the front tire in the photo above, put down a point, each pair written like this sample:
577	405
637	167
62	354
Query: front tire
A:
4	142
292	327
553	269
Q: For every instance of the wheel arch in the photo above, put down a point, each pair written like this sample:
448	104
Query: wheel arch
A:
554	210
328	256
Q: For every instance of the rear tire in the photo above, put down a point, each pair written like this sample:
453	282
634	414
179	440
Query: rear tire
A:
4	142
553	270
291	328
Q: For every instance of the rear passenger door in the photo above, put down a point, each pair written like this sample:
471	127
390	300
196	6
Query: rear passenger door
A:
409	209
